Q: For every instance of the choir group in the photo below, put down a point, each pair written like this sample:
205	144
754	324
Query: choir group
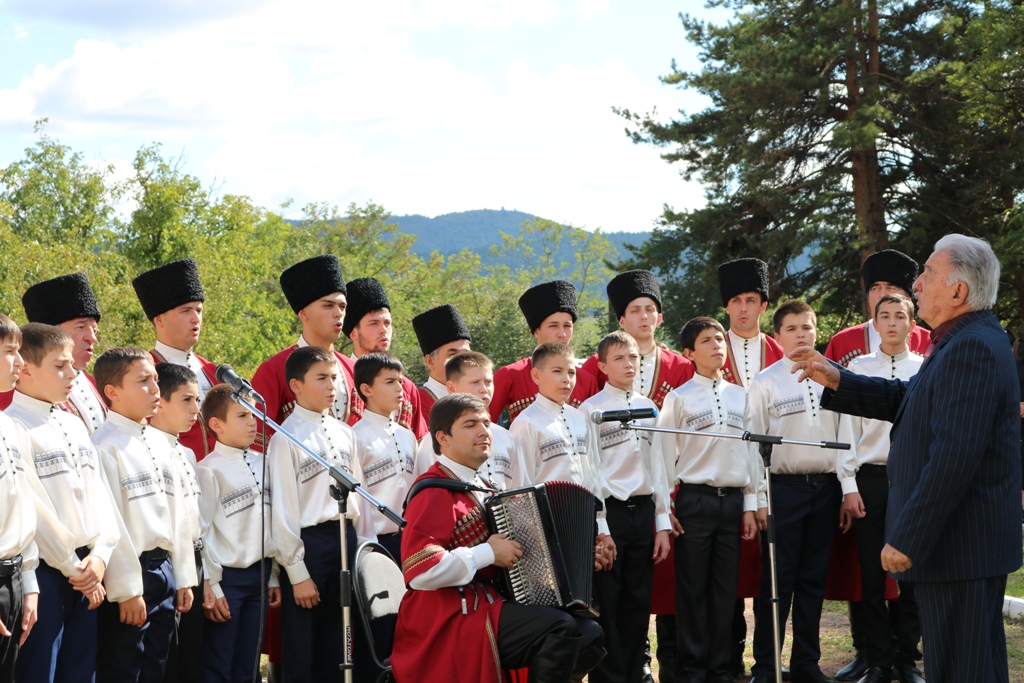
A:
152	528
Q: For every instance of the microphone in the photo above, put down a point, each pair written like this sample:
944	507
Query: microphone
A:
599	416
226	374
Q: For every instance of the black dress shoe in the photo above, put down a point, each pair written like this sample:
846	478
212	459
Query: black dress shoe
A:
876	674
762	679
908	673
811	677
853	670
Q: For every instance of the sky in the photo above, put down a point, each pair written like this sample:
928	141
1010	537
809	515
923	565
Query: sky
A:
422	106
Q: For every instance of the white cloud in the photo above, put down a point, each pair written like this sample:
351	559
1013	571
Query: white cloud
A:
589	9
331	102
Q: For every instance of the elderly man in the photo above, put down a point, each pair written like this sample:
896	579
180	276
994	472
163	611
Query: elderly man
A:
954	466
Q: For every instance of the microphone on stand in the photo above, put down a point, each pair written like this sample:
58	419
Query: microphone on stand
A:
599	416
226	374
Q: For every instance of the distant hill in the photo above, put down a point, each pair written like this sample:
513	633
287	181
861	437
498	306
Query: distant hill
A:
479	230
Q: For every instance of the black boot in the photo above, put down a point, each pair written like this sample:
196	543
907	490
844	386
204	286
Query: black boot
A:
586	660
648	674
554	661
274	673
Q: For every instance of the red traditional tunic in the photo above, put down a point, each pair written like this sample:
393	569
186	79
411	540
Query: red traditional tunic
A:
670	371
200	439
411	414
844	566
515	389
427	399
771	353
434	640
269	381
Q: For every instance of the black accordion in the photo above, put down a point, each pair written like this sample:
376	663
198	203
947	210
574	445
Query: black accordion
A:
555	523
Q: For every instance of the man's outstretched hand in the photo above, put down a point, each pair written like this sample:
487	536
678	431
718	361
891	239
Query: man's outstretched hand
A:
814	366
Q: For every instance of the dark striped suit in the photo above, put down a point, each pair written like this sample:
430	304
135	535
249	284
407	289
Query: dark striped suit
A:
954	496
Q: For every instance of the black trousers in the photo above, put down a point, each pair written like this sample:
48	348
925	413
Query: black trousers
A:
522	630
187	644
624	592
963	630
806	509
707	569
10	614
882	638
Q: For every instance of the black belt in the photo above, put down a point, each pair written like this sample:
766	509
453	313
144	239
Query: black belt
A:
158	554
822	476
631	502
330	524
720	491
11	566
873	469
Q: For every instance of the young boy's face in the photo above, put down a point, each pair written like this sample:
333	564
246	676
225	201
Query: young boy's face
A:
384	396
180	411
797	329
555	378
641	318
316	391
237	429
476	381
892	322
557	327
620	364
138	395
708	352
51	381
11	363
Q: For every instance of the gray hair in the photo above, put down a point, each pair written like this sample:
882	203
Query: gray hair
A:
975	264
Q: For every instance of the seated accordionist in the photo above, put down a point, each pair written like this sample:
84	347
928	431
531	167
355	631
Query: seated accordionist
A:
453	622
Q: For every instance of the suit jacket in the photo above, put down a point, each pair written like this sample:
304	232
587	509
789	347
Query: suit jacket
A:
954	464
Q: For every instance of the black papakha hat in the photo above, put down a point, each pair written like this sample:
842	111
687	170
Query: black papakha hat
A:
630	285
308	280
365	295
169	286
743	275
547	298
439	326
890	266
63	298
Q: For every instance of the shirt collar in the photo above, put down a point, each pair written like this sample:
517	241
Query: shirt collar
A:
787	361
467	474
619	393
548	404
440	390
898	357
308	414
737	339
942	330
125	424
707	381
173	355
42	408
376	418
230	451
171	438
302	343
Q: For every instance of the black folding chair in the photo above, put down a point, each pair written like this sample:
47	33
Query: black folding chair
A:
379	587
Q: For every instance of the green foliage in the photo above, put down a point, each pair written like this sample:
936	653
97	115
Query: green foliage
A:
57	217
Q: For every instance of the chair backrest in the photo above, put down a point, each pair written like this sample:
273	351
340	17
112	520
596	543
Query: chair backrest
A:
379	587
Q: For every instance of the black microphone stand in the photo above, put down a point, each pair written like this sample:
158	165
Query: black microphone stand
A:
344	484
764	442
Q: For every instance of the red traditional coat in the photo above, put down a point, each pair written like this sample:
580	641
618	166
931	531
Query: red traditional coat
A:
427	399
269	381
434	640
200	439
411	414
844	582
771	353
670	371
515	389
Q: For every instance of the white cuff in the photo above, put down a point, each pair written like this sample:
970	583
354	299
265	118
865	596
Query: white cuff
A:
483	555
297	573
849	485
218	592
662	523
602	527
750	502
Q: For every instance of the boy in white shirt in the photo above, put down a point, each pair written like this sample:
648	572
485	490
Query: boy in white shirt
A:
63	644
717	497
175	415
636	499
155	554
306	520
806	497
237	544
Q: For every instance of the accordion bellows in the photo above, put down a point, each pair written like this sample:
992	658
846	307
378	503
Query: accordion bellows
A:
555	525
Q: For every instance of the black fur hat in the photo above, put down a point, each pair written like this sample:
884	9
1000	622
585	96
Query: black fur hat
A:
169	286
365	295
630	285
890	266
308	280
63	298
743	275
439	326
547	298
